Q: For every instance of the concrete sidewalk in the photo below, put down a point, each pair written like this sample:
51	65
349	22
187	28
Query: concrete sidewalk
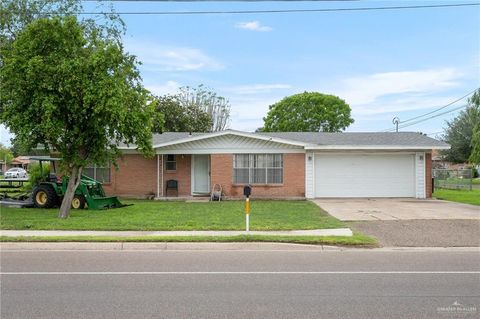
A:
313	232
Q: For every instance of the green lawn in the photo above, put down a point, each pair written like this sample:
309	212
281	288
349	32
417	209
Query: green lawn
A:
357	240
462	196
164	215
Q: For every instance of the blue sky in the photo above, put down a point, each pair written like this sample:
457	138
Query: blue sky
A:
383	63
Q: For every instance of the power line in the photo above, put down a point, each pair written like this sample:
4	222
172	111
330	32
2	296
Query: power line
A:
431	112
431	117
440	108
276	11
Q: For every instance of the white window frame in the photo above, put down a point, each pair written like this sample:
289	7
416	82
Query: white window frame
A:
167	161
95	172
251	168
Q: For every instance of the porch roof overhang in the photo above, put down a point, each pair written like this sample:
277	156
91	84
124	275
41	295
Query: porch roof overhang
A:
230	132
229	142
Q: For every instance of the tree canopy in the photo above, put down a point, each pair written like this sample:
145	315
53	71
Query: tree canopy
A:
459	131
475	155
5	154
172	116
206	100
308	112
17	14
65	86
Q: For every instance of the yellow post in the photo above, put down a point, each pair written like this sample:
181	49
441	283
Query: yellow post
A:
247	213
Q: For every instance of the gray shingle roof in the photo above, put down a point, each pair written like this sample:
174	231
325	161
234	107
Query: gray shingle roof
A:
331	139
377	139
172	136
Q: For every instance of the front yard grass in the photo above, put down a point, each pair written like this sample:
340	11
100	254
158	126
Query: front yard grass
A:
461	196
169	215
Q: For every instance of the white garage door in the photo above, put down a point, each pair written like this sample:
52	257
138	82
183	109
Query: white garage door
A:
346	175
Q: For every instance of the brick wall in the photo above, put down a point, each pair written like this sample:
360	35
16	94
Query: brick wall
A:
136	177
428	175
293	177
181	174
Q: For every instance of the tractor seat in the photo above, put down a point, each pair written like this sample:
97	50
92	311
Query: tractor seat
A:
52	177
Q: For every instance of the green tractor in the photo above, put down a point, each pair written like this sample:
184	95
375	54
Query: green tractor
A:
89	194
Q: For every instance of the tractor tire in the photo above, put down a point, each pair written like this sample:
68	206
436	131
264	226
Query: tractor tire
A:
44	196
78	202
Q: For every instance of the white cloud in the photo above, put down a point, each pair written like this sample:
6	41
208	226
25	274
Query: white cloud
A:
248	112
398	91
256	88
367	89
250	102
171	58
253	26
169	87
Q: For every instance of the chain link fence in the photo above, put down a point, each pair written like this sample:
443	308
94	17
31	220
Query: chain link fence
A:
453	178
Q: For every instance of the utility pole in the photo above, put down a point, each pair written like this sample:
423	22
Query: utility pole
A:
396	121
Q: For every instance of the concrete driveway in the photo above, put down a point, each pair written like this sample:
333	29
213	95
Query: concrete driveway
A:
363	209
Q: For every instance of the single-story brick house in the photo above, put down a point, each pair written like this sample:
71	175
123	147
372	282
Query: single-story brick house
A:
278	165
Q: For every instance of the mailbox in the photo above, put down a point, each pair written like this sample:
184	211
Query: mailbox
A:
247	191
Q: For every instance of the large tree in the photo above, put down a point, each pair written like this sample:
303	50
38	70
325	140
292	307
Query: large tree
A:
459	131
15	15
6	154
65	86
308	112
475	155
173	116
203	98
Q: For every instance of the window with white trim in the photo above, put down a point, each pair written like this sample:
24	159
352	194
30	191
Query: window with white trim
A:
171	162
258	168
99	173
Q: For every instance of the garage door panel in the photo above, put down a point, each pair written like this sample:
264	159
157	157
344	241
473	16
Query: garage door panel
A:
344	175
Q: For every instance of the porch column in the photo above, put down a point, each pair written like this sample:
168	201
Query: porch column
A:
158	176
161	176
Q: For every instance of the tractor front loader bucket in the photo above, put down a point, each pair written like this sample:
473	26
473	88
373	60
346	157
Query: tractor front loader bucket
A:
103	202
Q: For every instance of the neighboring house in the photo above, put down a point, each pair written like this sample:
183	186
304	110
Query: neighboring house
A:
20	161
280	165
439	162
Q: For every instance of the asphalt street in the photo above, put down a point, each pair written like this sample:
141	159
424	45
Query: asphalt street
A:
282	283
422	232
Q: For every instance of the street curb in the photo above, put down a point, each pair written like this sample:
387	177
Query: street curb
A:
172	246
344	232
155	246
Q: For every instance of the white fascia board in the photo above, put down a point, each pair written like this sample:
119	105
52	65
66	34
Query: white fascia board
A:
229	151
375	147
227	132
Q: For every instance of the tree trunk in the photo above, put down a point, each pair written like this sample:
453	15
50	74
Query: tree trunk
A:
74	180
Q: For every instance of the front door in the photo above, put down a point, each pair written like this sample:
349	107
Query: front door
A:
200	174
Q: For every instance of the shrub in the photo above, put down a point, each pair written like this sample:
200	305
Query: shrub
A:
36	174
